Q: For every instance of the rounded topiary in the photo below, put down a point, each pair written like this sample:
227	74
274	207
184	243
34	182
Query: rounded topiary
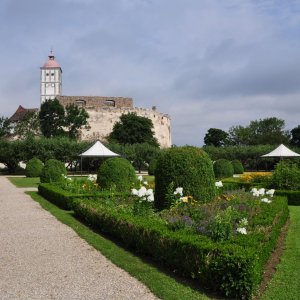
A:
187	167
152	167
117	173
223	168
237	167
53	171
34	167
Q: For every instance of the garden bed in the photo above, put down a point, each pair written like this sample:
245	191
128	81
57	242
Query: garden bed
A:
232	267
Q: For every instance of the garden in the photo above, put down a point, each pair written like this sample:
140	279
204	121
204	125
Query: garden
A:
192	217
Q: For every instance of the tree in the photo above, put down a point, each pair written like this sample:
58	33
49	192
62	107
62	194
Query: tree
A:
75	119
215	137
295	140
133	129
5	127
51	117
56	121
28	126
268	131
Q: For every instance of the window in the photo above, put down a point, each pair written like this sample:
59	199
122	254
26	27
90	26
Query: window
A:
109	103
52	84
47	74
52	74
80	102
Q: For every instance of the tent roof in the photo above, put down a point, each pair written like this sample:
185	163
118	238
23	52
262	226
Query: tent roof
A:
98	150
281	151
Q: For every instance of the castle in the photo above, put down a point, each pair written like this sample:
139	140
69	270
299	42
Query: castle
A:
103	112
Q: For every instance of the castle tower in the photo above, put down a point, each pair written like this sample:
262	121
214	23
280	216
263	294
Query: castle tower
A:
51	79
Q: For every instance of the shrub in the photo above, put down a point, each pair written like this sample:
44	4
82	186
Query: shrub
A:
286	176
34	167
152	167
117	173
186	167
237	167
223	168
53	171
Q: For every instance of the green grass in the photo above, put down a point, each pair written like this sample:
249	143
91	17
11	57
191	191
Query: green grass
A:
23	182
286	282
161	284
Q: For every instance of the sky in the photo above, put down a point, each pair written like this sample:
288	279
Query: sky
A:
206	63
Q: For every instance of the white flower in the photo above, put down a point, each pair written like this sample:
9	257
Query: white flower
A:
242	230
261	191
270	192
149	192
219	184
179	191
265	200
140	178
243	222
142	192
145	183
256	193
150	198
134	192
69	178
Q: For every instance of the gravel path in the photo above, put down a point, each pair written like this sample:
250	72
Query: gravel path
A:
41	258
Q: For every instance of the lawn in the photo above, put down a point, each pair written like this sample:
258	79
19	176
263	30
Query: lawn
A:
286	284
24	182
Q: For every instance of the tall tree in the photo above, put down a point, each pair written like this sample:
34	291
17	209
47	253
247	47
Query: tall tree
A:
75	118
268	131
295	139
5	127
28	126
56	121
215	137
133	129
51	117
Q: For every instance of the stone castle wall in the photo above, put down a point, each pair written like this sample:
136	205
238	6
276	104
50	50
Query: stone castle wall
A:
104	112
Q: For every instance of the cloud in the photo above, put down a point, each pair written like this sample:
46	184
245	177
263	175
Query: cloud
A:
207	63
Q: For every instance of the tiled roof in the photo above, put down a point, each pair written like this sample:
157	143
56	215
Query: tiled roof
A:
20	113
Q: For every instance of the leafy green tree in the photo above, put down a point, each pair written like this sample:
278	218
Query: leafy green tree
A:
268	131
295	140
56	121
215	137
52	118
133	129
75	119
28	126
5	127
11	153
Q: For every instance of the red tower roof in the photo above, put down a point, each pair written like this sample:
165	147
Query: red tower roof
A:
51	62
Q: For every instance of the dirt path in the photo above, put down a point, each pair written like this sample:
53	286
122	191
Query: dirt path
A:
41	258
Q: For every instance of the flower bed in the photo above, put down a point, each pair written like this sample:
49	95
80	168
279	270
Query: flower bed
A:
224	245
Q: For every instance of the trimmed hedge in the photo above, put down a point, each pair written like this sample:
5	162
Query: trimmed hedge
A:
53	171
293	197
34	167
117	173
64	199
223	168
237	167
233	268
187	167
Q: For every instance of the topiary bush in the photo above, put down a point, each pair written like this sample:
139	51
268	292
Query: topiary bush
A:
152	167
187	167
117	173
286	176
34	167
223	168
53	171
237	167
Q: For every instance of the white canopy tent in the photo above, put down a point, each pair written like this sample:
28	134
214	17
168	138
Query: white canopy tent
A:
97	150
281	151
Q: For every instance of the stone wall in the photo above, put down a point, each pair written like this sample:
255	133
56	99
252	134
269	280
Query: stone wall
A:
104	112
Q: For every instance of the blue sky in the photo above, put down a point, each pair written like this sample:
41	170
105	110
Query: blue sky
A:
206	63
